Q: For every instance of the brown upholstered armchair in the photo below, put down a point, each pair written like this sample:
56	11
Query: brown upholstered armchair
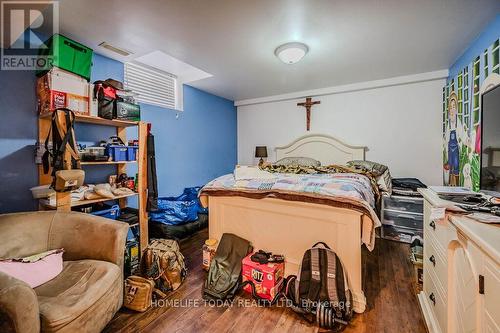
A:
86	294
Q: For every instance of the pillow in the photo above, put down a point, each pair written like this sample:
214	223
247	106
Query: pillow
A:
302	161
384	182
35	270
376	168
380	171
243	172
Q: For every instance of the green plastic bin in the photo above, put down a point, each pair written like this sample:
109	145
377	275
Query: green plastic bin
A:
68	55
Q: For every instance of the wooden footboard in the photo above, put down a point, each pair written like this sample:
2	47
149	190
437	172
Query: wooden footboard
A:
289	228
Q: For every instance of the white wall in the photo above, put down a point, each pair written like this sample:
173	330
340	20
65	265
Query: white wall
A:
400	125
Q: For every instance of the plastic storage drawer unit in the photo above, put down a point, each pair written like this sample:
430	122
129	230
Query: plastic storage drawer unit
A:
407	204
400	234
401	219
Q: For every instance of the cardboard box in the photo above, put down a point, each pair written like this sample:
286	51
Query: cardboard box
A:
61	89
267	278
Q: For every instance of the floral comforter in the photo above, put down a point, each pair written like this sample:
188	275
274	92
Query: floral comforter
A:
346	185
344	190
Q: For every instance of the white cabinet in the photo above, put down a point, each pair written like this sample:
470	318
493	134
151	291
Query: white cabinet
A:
463	292
490	317
461	272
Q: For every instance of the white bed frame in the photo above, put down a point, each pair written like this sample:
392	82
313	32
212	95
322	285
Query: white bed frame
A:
290	227
324	148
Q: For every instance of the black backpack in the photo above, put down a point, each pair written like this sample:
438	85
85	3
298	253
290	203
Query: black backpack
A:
321	290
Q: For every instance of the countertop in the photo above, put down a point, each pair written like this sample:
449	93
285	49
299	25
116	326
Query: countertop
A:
484	235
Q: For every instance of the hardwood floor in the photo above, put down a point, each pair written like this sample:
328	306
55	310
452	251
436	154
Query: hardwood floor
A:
387	277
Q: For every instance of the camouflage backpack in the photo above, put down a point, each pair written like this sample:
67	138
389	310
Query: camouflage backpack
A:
163	262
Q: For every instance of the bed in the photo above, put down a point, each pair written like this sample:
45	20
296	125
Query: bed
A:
286	223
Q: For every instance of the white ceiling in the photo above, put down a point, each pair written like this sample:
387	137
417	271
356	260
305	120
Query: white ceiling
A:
349	41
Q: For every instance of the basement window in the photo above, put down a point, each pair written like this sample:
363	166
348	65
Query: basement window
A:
153	86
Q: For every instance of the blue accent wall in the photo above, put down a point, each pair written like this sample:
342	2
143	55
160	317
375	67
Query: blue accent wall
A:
197	146
18	133
192	148
483	41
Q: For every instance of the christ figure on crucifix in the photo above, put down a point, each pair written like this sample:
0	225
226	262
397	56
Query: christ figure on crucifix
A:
307	104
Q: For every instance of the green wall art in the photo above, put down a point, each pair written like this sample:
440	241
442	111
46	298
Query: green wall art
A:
462	119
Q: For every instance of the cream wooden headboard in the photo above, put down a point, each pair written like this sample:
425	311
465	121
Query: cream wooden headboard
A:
324	148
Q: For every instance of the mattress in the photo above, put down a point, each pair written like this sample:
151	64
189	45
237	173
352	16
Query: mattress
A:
345	190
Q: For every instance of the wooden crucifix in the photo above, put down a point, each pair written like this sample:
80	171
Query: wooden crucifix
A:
307	104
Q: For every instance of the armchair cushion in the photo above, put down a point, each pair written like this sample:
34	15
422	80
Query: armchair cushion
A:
84	288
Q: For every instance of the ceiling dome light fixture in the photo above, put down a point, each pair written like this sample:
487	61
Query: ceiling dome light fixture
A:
290	53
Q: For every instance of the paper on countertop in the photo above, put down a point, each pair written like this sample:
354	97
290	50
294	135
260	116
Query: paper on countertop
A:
484	218
437	213
451	190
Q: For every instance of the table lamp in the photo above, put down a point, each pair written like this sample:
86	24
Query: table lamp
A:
261	151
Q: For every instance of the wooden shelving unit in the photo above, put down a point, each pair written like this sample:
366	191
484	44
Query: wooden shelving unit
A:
63	200
97	120
46	203
107	162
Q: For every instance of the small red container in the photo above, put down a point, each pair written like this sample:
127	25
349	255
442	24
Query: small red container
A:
267	278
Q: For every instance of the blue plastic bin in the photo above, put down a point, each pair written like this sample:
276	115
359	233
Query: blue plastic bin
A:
117	152
132	153
111	213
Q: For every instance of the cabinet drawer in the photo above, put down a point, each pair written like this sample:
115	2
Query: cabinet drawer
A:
406	204
401	219
439	229
435	261
436	300
399	234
